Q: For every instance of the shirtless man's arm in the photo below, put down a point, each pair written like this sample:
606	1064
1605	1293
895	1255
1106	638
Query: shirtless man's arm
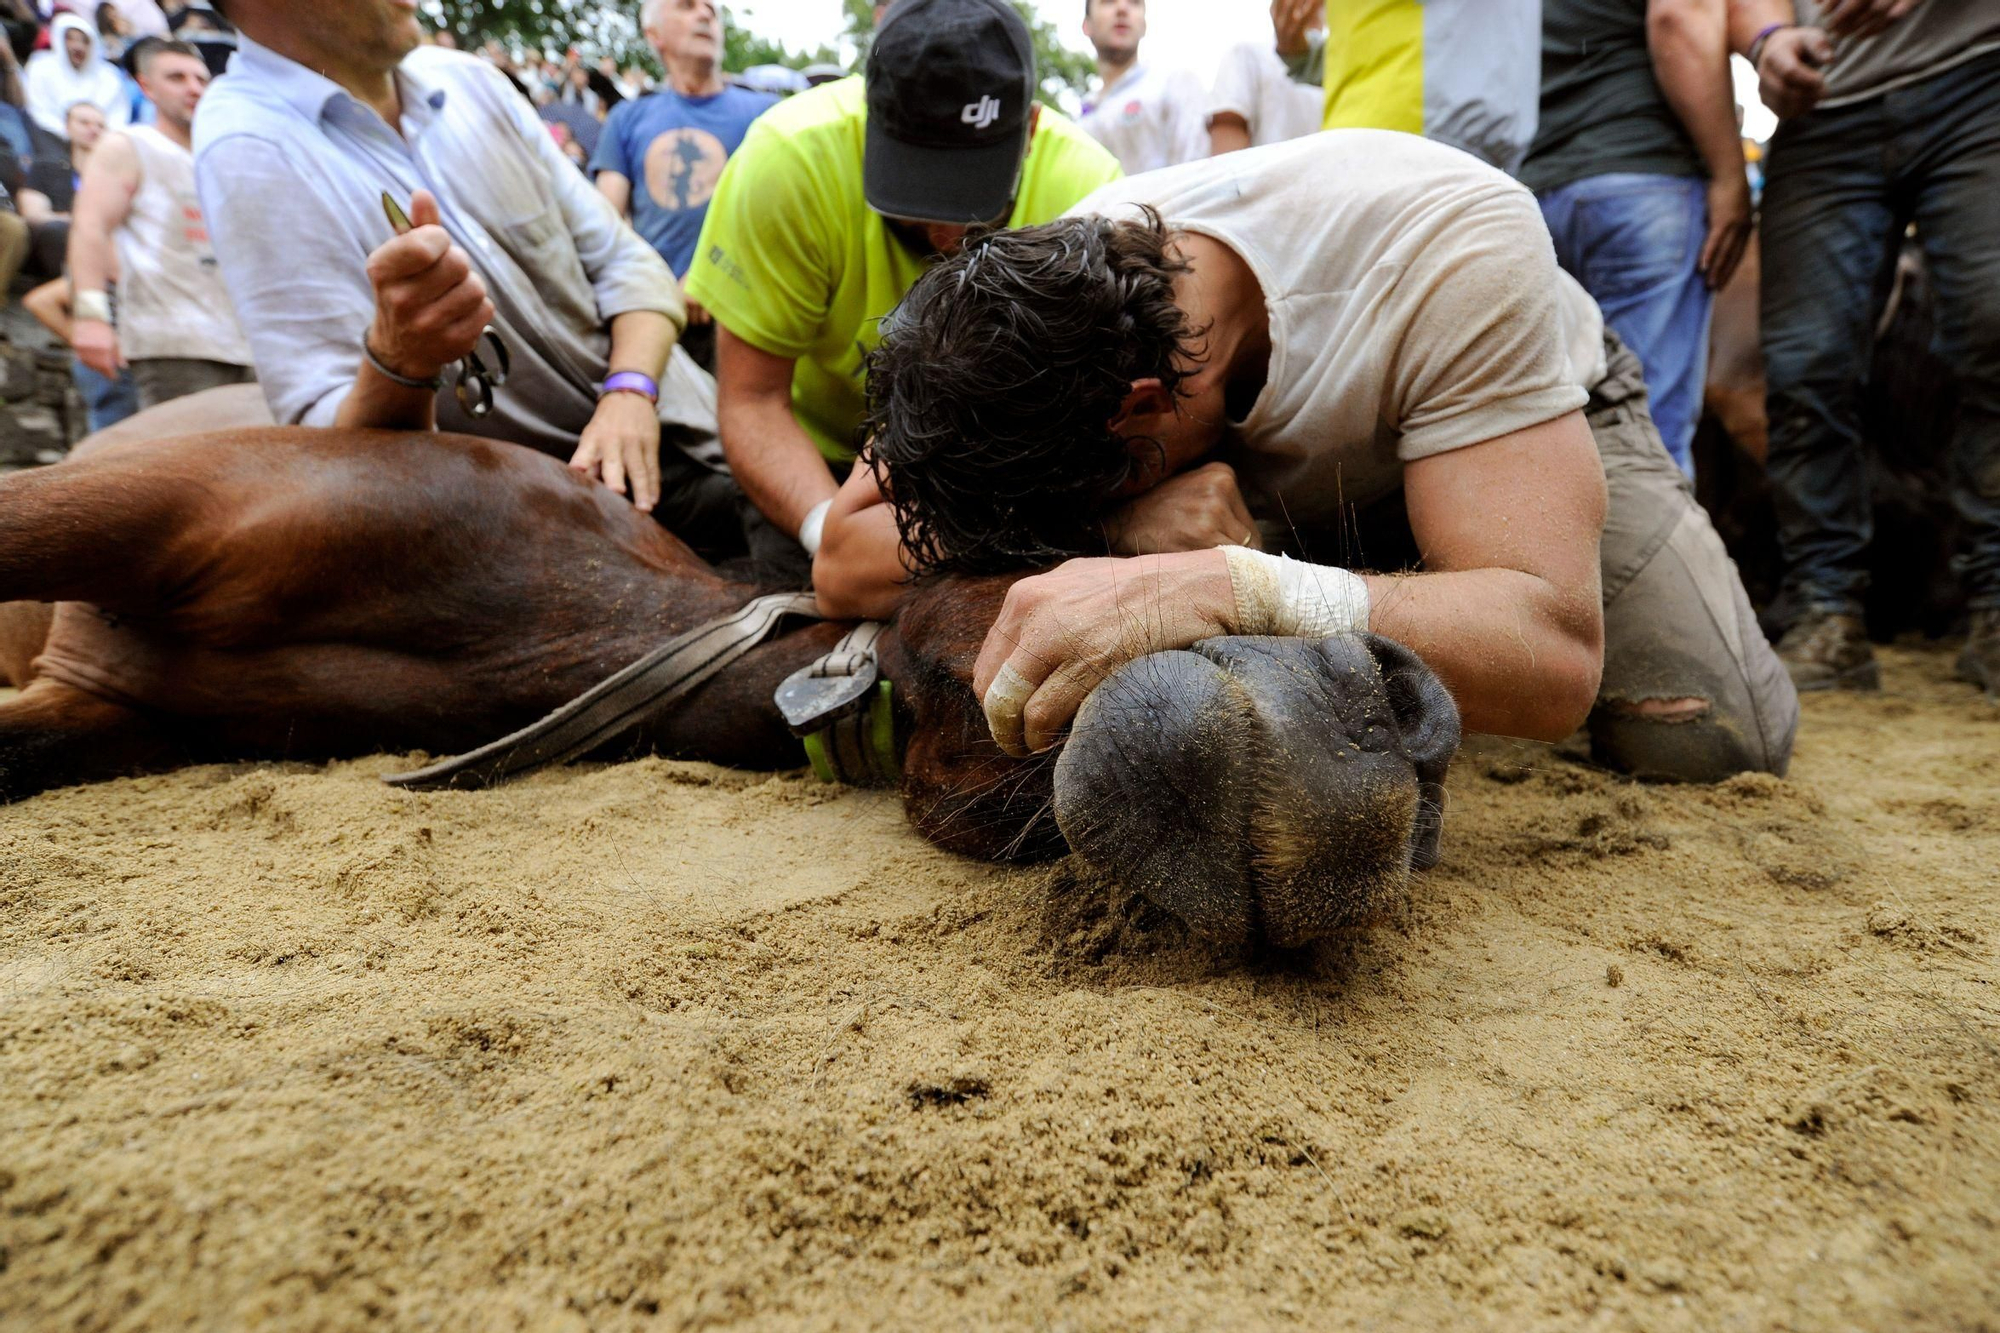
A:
103	202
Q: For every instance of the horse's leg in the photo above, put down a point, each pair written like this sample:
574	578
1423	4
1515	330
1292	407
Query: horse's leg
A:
82	531
88	530
24	628
77	531
53	735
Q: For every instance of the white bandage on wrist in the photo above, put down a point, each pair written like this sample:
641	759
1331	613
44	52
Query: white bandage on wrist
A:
809	531
88	304
1278	595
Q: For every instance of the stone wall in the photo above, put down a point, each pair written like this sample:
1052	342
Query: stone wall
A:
40	412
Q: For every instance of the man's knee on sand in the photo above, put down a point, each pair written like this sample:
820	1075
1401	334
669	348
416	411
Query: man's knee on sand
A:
1692	691
1686	738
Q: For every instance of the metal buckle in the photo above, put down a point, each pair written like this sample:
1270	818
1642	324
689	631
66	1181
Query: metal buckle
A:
841	708
836	686
812	702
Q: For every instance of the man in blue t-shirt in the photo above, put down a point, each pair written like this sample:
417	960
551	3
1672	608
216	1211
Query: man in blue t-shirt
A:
672	144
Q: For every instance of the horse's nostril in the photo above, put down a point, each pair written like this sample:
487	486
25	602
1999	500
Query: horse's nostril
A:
1257	787
1152	789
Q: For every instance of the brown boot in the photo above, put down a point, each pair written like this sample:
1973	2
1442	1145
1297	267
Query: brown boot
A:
1829	650
1980	662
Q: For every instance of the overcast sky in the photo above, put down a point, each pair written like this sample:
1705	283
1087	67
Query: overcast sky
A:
1190	33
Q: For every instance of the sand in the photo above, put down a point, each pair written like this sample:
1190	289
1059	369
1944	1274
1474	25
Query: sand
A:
662	1045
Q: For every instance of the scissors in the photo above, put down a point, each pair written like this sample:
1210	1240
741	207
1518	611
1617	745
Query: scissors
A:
476	382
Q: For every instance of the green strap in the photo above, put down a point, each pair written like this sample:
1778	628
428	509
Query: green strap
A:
860	749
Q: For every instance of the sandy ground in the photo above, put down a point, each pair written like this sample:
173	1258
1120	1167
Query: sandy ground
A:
664	1045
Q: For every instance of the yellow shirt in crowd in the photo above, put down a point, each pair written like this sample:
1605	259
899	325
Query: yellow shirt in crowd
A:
794	262
1463	72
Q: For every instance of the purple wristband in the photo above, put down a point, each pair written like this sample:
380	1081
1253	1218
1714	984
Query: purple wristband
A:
630	381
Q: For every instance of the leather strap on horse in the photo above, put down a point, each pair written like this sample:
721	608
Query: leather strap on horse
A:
608	710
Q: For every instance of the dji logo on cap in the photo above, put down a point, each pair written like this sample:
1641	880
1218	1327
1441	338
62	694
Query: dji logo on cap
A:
982	113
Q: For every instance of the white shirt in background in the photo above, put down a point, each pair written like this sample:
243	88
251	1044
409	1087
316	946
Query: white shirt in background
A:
1252	82
171	300
1415	307
1150	119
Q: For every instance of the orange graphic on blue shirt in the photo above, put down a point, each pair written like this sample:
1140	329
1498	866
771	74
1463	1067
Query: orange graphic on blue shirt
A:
682	167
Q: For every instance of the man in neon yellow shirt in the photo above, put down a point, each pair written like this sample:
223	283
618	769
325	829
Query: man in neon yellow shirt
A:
836	203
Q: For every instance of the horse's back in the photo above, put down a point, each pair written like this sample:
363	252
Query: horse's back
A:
230	407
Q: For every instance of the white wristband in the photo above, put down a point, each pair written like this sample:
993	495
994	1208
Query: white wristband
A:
809	530
88	304
1278	595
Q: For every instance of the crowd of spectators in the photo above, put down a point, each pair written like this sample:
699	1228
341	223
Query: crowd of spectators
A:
74	82
1618	114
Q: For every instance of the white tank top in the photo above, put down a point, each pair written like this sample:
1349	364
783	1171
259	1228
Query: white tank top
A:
171	301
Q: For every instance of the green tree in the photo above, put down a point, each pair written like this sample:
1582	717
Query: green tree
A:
613	28
1059	69
544	25
742	48
557	25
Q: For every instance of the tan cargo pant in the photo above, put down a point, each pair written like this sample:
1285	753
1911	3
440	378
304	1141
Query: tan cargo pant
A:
1677	623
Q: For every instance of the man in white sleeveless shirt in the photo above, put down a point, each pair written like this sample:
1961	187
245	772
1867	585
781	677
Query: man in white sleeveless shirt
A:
138	221
1355	320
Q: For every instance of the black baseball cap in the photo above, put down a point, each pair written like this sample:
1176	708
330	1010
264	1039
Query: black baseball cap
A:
951	85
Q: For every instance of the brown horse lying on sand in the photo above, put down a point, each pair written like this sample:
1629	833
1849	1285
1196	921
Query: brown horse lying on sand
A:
295	593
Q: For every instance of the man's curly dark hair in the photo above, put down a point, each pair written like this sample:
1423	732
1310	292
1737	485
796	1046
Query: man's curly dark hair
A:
991	396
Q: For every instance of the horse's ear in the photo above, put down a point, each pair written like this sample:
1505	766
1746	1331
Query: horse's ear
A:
1427	728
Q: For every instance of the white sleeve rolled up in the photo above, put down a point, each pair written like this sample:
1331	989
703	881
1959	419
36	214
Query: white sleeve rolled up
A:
1278	595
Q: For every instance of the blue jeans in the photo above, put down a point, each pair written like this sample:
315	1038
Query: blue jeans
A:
1841	187
1632	240
105	401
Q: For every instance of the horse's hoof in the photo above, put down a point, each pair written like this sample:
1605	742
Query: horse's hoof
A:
1261	788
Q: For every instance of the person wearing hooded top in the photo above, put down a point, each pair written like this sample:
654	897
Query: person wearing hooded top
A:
74	70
